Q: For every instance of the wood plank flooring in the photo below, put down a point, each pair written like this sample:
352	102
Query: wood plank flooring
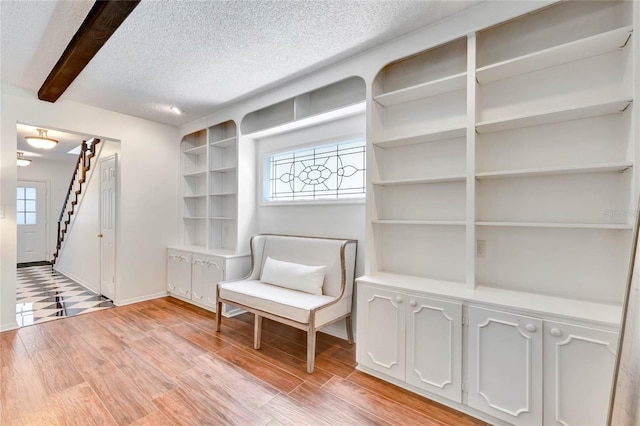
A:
161	363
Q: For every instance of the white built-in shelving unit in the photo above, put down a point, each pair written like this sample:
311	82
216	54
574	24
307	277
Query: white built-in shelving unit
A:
209	252
502	192
337	100
519	136
209	188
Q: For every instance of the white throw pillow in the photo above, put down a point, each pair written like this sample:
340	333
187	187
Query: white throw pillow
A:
293	275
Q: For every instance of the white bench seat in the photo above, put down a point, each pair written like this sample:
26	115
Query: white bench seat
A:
284	302
292	304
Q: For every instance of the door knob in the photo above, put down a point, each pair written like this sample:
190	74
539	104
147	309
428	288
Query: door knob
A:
99	235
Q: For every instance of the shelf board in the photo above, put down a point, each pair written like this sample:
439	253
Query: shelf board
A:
194	197
557	55
557	225
224	169
554	116
223	194
421	222
423	90
435	179
196	150
434	136
554	171
195	174
194	218
223	218
224	143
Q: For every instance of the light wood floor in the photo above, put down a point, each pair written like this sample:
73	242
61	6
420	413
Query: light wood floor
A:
161	363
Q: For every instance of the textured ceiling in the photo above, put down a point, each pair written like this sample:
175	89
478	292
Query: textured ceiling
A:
199	55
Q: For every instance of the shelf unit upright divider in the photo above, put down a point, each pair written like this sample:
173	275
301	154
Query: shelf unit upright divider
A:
470	260
222	188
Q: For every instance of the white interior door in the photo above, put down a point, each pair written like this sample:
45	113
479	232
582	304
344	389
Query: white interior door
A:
108	188
31	218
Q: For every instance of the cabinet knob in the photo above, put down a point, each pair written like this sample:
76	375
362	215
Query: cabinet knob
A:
398	299
530	328
555	332
413	303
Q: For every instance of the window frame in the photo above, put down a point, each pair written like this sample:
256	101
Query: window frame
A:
266	166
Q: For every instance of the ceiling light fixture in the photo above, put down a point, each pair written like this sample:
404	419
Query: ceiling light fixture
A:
42	141
22	162
174	109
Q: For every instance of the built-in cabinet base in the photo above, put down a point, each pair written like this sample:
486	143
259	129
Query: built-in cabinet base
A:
523	367
193	275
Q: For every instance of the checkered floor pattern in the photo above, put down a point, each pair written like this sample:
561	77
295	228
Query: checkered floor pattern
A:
43	294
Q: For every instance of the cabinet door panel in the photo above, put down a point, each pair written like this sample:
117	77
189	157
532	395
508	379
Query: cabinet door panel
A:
179	273
579	364
434	346
505	365
381	331
207	272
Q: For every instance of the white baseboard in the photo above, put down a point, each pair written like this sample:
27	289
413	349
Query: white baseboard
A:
144	298
9	326
78	280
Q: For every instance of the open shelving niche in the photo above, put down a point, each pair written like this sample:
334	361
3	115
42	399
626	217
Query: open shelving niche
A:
209	173
418	173
523	143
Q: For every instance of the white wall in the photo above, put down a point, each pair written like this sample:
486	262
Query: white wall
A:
149	173
57	175
81	241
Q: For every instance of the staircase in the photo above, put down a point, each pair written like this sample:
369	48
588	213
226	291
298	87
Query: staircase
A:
78	180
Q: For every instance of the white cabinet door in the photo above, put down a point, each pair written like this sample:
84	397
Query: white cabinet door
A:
179	273
579	363
207	272
434	346
505	365
381	331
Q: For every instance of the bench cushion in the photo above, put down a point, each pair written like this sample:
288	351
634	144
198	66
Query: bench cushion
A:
294	276
292	304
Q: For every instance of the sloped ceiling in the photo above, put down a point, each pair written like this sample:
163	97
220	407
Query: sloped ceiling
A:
200	55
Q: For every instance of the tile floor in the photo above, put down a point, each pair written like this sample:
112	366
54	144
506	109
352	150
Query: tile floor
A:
43	294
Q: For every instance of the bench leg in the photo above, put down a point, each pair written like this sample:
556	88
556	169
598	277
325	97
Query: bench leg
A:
257	332
349	324
311	350
218	316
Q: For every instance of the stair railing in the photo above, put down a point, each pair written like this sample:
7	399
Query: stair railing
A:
79	177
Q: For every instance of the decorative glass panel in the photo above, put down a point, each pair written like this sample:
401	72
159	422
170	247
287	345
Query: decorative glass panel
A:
26	206
30	219
327	172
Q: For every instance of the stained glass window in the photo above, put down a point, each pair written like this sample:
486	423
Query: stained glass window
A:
327	172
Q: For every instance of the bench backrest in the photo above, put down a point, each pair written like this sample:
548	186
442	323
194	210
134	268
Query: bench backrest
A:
337	255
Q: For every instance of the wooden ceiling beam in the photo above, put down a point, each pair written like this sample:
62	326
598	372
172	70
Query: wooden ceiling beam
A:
103	20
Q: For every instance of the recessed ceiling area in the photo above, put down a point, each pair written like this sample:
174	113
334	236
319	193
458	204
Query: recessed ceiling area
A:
201	55
66	142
